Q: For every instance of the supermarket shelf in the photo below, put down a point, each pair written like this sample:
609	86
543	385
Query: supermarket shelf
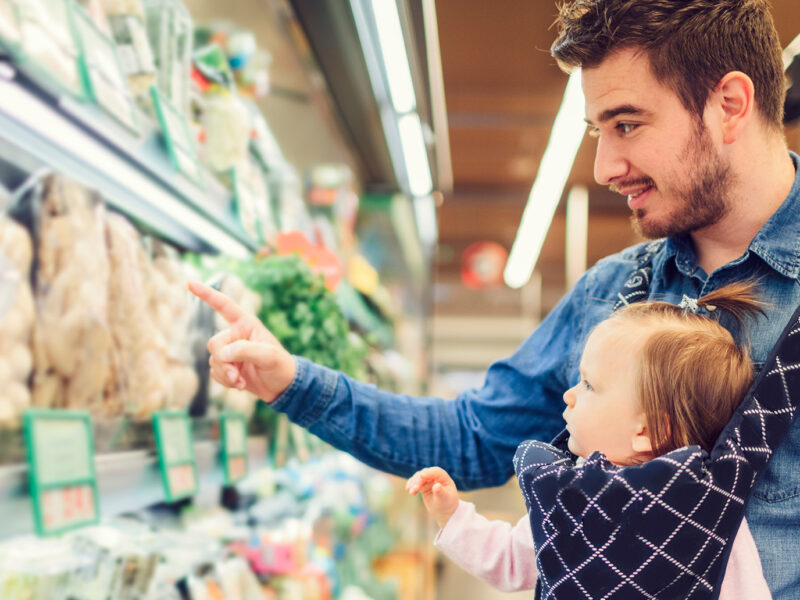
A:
126	481
133	173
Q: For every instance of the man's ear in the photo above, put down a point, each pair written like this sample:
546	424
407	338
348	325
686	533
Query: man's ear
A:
734	95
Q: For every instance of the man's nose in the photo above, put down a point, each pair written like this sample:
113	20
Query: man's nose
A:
609	163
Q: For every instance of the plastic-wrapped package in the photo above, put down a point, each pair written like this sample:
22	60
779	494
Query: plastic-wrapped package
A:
169	27
253	203
46	39
37	569
127	21
124	558
141	368
174	311
9	23
227	123
17	314
230	398
72	341
94	8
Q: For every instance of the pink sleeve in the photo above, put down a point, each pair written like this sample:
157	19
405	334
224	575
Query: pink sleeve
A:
494	551
744	579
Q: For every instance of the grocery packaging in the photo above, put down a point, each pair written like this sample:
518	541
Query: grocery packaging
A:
72	340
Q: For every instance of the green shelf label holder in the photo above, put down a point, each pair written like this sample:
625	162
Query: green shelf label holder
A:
177	138
176	459
233	432
63	480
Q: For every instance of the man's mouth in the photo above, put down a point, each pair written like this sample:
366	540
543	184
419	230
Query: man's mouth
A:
637	197
636	191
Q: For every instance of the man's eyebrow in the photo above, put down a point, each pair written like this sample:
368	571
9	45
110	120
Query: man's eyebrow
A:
623	109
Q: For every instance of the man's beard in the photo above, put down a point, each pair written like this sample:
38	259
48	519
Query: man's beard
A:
702	203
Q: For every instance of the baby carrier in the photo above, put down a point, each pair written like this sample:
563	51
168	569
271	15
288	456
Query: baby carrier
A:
662	529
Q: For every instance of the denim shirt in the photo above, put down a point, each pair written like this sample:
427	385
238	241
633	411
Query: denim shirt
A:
474	437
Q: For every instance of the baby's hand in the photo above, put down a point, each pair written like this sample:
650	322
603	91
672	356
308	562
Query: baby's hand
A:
439	493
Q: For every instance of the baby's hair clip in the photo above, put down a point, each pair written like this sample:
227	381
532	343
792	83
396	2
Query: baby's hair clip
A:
688	303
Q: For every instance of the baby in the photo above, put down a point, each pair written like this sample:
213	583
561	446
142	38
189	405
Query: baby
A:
654	378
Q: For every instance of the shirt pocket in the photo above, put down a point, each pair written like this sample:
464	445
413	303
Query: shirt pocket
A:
781	478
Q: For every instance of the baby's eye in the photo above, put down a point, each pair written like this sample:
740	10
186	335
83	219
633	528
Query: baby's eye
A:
586	385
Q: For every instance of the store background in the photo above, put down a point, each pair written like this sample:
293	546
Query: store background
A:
487	124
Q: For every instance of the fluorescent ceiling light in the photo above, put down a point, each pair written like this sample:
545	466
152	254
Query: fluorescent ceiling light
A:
577	232
565	139
415	155
395	58
792	50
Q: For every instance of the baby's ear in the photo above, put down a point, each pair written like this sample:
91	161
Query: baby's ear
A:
640	442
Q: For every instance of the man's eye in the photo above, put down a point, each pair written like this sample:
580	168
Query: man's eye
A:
593	131
626	127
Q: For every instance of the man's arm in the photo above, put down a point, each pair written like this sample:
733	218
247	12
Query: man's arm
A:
473	437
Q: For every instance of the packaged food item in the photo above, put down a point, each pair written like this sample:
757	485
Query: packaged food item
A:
94	8
72	340
174	312
46	40
127	21
102	72
10	34
169	28
37	569
140	366
123	561
252	202
227	123
17	314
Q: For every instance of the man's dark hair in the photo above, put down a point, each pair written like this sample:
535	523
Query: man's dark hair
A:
691	44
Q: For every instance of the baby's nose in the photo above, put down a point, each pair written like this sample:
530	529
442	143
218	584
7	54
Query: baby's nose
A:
569	397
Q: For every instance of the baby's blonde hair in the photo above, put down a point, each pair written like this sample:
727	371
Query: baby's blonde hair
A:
692	373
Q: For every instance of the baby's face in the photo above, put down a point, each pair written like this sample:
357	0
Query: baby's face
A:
603	411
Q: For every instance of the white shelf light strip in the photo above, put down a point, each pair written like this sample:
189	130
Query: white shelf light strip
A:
50	128
394	91
415	155
395	57
551	177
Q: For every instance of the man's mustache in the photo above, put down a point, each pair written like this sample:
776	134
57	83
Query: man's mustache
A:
631	183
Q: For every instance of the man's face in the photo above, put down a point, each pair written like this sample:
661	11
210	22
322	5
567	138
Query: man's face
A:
652	149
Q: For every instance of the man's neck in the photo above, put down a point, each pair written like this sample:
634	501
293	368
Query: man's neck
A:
758	190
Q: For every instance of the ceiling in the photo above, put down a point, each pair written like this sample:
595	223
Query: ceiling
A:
503	90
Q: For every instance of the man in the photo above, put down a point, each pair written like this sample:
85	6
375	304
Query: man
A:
685	99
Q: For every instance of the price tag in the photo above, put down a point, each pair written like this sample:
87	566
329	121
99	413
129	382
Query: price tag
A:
177	137
175	454
63	483
234	446
103	78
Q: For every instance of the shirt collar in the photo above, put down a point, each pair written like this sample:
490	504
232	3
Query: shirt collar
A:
776	242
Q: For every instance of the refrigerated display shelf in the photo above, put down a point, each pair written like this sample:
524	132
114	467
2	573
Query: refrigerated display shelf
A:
127	481
133	173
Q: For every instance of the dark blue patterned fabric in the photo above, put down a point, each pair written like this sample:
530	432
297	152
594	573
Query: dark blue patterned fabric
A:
662	529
